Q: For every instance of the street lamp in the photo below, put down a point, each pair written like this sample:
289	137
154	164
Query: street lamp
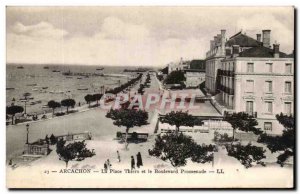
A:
27	128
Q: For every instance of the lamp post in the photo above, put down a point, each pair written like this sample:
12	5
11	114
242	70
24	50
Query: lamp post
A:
27	128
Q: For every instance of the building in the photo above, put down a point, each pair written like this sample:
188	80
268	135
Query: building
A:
194	77
177	66
213	61
259	81
197	64
195	74
219	46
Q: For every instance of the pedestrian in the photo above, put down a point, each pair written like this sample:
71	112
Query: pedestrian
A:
132	163
108	164
119	157
105	166
139	161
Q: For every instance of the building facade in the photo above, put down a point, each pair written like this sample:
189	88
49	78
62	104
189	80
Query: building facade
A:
177	66
258	81
218	49
194	77
213	61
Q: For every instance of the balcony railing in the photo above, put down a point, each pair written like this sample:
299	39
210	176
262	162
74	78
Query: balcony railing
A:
253	114
225	89
226	73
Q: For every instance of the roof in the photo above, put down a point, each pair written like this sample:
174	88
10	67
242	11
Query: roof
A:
195	70
164	70
197	64
243	41
261	52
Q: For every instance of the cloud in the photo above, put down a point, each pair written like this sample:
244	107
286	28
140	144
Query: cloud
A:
133	35
40	30
279	32
115	28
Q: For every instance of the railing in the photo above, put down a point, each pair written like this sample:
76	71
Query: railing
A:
253	114
226	73
225	89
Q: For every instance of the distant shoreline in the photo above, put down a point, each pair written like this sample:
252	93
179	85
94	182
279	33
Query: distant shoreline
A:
89	65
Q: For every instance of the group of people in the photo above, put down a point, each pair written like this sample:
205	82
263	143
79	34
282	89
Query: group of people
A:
139	161
107	165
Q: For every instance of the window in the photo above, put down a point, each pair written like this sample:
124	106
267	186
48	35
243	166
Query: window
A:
269	86
288	68
250	67
288	87
268	126
269	67
288	108
249	106
250	86
269	107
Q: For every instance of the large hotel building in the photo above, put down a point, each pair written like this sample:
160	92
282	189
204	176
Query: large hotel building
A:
256	79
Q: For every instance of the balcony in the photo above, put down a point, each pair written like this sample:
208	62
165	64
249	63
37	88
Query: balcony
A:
226	73
225	89
253	114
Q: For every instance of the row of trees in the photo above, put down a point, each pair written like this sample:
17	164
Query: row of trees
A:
92	98
284	144
144	85
65	103
122	87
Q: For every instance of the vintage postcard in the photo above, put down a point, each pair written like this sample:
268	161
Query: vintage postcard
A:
150	97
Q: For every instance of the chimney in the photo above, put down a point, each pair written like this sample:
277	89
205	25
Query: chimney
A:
235	50
216	40
223	33
212	44
258	37
276	50
266	38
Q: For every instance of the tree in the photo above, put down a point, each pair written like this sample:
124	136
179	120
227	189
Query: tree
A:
68	103
97	97
243	122
284	144
13	110
53	104
178	148
128	118
89	98
72	151
47	139
247	155
178	119
53	139
175	77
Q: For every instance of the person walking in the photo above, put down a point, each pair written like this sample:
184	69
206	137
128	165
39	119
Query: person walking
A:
105	167
132	163
139	161
118	155
108	164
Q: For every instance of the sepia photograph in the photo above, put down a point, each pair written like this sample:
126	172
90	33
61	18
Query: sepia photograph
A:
150	97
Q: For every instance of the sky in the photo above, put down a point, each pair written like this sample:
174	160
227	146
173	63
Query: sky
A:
135	36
